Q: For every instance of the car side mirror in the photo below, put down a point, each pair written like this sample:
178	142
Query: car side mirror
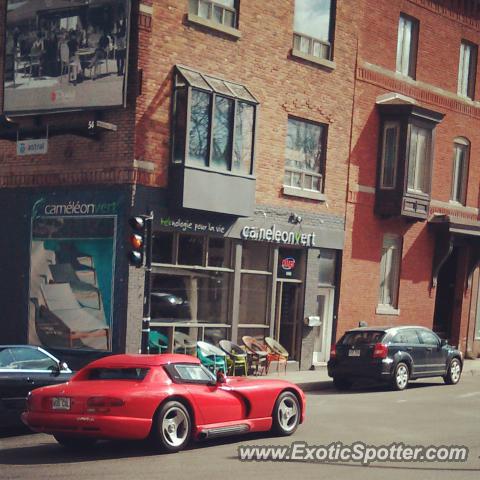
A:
221	377
63	366
443	342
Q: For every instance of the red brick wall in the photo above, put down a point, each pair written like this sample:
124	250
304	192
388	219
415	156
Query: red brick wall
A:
441	31
260	59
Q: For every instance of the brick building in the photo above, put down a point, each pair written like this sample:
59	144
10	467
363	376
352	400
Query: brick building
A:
412	224
252	134
234	132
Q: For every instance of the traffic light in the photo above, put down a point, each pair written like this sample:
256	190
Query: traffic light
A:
137	241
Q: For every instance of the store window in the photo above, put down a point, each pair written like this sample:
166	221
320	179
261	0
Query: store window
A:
327	260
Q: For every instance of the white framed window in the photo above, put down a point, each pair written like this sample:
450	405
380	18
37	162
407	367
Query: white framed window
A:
419	159
461	150
467	68
223	12
391	134
312	26
389	274
305	155
407	45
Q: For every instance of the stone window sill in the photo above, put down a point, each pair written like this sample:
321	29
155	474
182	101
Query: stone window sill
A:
218	27
329	64
387	310
299	192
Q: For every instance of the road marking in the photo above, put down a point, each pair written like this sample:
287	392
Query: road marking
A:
468	395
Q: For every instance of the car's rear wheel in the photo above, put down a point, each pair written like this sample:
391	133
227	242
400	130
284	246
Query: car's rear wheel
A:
342	383
400	376
286	414
75	443
173	427
453	373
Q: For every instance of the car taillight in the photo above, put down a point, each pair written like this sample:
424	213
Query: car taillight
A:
380	350
103	404
333	351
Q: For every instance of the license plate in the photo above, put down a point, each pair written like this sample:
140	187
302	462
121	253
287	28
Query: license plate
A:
60	403
354	353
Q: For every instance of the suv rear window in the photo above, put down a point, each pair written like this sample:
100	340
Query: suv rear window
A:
362	338
137	374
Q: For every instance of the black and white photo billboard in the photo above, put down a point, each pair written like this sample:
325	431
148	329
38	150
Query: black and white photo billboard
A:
65	55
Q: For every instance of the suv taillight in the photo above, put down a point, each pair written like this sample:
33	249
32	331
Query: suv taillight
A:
333	351
380	350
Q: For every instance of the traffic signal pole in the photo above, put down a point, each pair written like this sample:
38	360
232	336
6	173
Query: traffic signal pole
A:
148	284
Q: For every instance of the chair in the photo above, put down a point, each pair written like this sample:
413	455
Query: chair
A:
236	356
183	343
258	354
277	349
157	342
211	357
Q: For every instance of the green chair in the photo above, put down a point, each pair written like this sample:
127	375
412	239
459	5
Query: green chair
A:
212	357
157	342
236	356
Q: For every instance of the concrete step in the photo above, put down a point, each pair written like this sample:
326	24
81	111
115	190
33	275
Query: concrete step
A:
292	366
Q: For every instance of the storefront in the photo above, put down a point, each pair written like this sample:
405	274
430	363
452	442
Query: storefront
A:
269	275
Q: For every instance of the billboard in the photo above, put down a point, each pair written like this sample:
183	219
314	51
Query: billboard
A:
65	55
72	264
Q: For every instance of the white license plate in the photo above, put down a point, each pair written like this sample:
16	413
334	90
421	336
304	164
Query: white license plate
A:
60	403
354	353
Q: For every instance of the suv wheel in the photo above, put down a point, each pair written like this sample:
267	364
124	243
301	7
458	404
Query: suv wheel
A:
400	376
453	373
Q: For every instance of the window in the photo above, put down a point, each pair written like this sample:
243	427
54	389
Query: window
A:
305	155
214	123
419	159
406	337
223	12
189	373
137	374
428	338
389	273
460	170
407	45
467	69
353	339
389	154
25	358
313	26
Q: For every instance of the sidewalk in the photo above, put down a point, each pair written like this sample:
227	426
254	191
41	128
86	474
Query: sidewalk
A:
318	379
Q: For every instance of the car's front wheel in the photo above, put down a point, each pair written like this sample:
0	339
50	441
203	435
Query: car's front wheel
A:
173	427
75	443
400	377
286	414
453	373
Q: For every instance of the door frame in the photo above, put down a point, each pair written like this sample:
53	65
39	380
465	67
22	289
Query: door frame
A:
326	326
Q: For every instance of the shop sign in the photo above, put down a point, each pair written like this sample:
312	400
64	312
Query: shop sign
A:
274	234
288	264
38	146
186	225
73	207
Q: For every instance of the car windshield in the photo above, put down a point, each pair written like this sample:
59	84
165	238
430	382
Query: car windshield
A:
137	374
362	338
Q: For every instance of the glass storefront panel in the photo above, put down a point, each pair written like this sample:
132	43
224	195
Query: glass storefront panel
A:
327	261
254	298
162	247
258	333
190	250
218	252
255	257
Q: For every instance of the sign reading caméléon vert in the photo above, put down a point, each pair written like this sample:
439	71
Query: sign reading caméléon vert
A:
274	234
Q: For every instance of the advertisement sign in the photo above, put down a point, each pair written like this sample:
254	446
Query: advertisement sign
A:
65	55
72	254
37	146
289	263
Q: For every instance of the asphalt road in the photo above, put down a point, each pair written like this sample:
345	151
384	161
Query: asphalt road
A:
427	413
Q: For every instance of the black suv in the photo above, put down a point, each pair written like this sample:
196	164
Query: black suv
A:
394	355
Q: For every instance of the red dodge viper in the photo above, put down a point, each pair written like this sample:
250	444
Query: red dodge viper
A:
169	398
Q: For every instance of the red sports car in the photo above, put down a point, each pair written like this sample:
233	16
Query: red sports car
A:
169	398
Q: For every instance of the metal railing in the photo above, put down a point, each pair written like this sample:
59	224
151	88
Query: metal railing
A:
216	12
311	46
307	180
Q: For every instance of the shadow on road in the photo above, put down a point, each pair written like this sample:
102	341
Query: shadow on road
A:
49	452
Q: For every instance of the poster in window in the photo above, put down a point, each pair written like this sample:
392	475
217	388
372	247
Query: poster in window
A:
65	55
71	276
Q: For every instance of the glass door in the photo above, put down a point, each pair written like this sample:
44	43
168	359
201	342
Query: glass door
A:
323	333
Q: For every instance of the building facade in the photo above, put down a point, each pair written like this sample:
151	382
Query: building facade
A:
305	171
412	216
